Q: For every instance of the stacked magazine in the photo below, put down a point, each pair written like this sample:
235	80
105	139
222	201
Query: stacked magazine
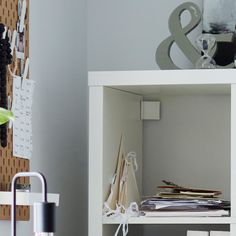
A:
174	200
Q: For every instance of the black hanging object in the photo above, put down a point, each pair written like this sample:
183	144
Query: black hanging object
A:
226	52
5	60
205	45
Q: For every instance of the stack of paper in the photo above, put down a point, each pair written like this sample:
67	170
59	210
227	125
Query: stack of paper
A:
175	191
182	201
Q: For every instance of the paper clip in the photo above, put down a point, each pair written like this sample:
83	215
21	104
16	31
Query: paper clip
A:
4	33
22	17
26	71
13	41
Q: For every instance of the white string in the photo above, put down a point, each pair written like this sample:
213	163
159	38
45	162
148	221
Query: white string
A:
123	215
120	213
132	157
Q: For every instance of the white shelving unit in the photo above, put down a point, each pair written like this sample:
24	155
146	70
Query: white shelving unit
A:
114	107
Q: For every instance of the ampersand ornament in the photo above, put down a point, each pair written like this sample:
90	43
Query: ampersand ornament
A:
179	36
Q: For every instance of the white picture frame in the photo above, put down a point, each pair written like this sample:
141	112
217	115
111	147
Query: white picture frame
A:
219	16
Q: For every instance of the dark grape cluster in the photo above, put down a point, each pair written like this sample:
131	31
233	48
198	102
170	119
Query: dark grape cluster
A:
5	60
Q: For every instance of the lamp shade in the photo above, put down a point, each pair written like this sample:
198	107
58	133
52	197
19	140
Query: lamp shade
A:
44	217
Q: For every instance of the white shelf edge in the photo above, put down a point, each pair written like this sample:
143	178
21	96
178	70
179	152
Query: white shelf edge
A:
26	198
161	77
174	220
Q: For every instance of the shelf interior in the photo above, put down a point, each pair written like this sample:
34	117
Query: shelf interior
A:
190	145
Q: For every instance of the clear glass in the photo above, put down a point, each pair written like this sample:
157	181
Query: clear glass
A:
44	234
205	43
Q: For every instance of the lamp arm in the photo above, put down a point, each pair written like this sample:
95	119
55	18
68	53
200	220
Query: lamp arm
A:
13	189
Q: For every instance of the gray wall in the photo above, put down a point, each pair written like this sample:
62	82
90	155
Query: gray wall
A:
58	64
190	144
124	35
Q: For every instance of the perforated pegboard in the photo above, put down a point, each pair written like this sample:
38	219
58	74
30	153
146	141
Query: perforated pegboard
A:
10	165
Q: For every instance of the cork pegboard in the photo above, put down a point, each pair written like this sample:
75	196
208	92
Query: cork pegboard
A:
10	165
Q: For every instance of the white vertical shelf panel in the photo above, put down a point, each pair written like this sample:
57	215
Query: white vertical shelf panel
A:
95	160
233	157
233	150
233	229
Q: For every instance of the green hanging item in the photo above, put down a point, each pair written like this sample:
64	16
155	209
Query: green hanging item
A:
5	116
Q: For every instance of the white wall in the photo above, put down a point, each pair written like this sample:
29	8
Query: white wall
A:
58	64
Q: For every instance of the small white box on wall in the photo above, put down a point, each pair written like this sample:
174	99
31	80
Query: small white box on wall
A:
219	233
150	110
197	233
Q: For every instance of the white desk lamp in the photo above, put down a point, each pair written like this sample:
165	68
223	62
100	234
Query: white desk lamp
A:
44	212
